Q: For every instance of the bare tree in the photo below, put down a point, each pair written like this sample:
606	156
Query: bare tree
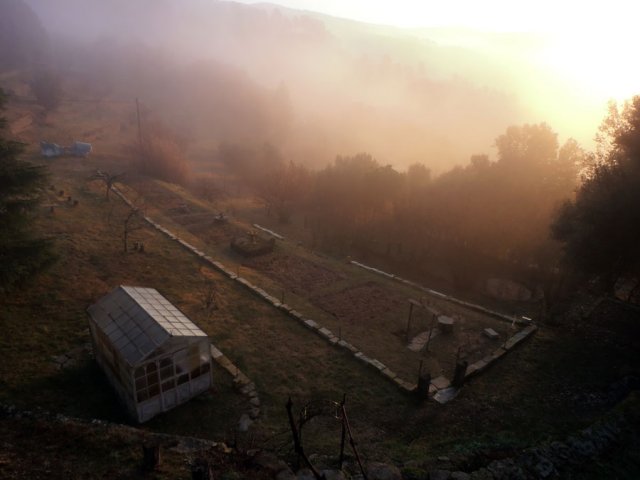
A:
109	180
131	220
209	297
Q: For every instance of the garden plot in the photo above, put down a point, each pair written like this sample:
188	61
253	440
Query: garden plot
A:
375	316
368	310
294	273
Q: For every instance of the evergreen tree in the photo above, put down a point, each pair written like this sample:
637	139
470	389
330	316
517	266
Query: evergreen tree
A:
600	229
21	254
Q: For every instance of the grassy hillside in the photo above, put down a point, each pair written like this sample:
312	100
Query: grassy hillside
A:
536	393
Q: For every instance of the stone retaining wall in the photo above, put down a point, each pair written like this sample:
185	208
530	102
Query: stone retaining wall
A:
435	293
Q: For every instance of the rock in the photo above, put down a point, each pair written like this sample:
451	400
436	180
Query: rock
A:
491	333
441	382
244	423
383	471
506	470
413	472
460	476
389	374
544	468
269	461
582	447
482	474
445	395
311	324
333	475
305	474
439	475
286	474
559	452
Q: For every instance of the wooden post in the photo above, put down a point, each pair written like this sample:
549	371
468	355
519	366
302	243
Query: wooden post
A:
150	457
433	321
344	431
424	381
458	376
297	445
353	442
201	470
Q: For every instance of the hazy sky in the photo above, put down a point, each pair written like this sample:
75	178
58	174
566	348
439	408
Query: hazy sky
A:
589	45
590	42
492	15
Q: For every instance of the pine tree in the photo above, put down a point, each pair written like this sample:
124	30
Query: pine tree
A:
21	253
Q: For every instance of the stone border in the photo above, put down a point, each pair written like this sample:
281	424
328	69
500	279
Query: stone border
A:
240	380
336	341
270	232
483	364
472	306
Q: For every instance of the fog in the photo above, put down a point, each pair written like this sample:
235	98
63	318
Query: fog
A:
434	150
313	85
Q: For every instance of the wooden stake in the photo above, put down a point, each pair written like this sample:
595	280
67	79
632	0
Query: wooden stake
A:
433	321
344	431
297	445
353	442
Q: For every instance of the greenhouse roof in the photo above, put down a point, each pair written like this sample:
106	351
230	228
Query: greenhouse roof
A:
138	320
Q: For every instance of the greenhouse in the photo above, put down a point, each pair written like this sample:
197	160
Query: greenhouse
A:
152	354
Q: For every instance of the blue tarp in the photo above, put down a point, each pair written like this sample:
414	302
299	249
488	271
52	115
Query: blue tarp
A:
78	149
50	149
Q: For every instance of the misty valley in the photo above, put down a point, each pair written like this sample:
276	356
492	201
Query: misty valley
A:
247	240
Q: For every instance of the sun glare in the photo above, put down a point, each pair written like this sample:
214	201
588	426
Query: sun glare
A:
600	66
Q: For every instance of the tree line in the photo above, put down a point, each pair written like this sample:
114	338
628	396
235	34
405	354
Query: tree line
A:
539	212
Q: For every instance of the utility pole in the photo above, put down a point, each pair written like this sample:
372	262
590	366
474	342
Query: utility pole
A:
139	127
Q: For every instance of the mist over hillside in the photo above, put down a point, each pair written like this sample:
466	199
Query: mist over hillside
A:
313	85
22	36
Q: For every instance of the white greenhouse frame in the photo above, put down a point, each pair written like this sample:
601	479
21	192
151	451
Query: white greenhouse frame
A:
152	354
